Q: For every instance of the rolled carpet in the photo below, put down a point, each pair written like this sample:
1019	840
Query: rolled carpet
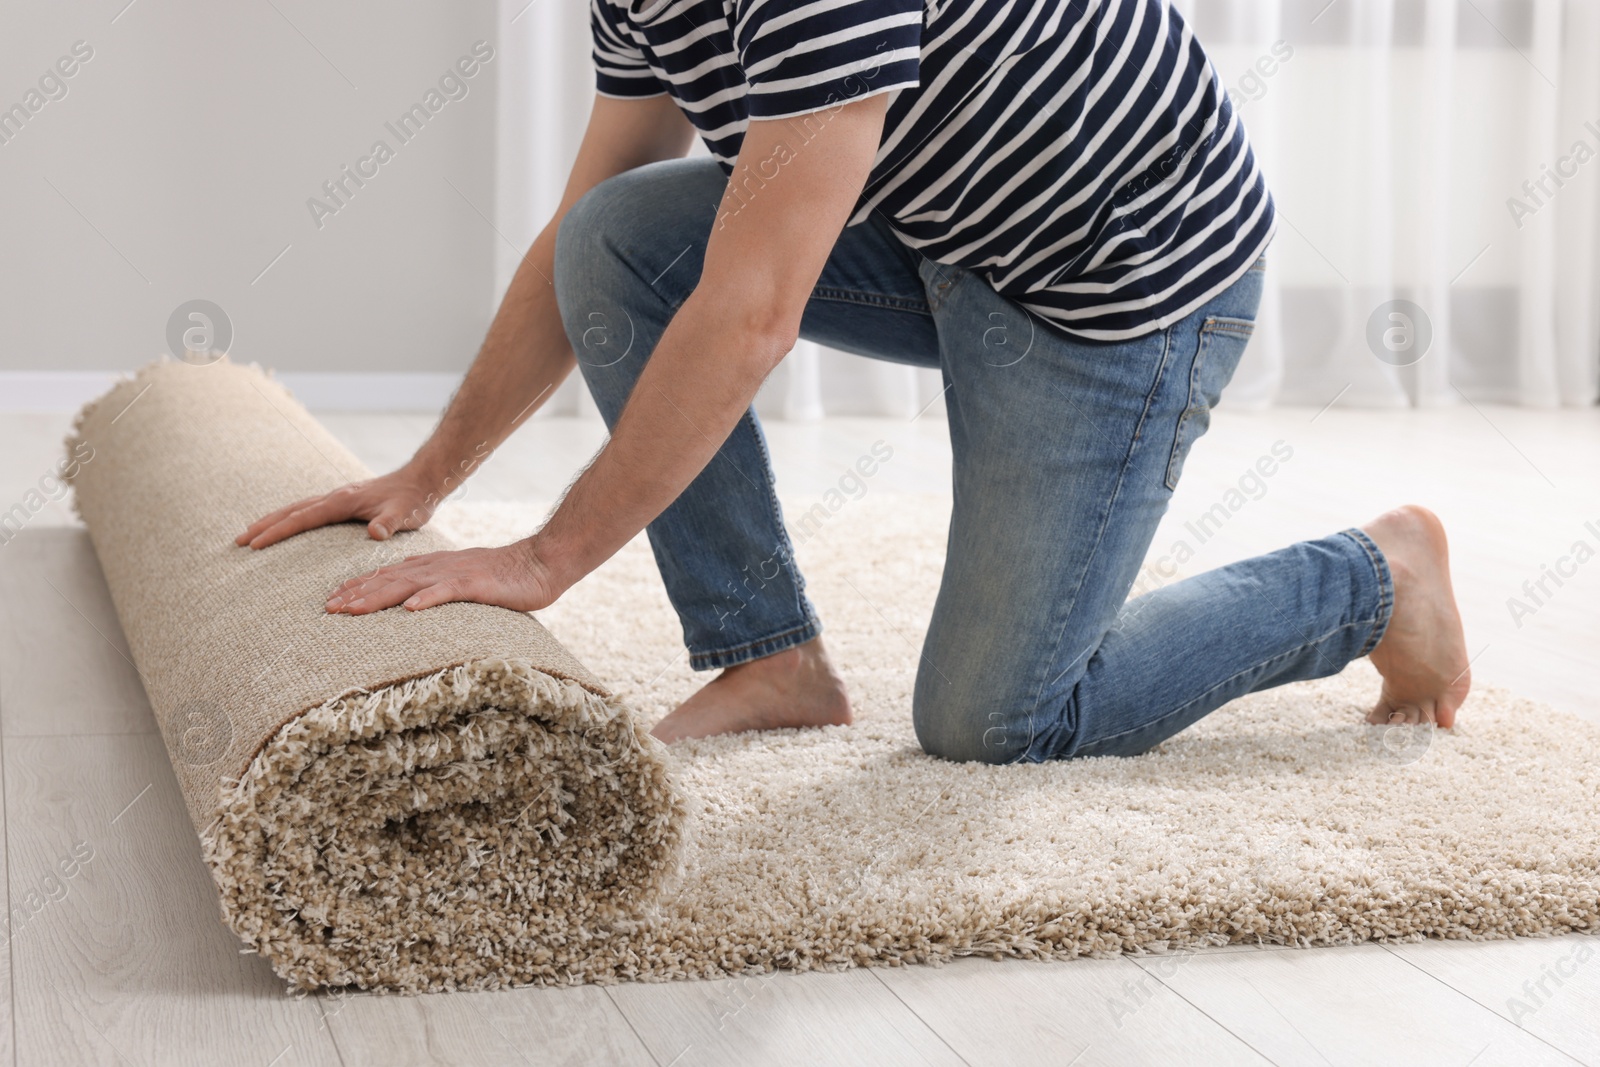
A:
405	801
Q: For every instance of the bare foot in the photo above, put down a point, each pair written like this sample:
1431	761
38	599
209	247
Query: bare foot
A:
795	687
1423	654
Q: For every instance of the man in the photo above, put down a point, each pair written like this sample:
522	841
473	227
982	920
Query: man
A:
1051	201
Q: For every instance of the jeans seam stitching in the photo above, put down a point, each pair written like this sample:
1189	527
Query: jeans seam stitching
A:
1170	480
1380	570
1100	536
870	299
810	623
776	509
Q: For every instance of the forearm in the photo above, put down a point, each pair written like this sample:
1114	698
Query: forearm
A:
523	359
680	413
762	261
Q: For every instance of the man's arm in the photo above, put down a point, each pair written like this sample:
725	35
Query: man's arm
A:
523	358
778	222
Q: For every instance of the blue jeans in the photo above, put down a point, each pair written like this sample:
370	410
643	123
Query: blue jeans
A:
1066	453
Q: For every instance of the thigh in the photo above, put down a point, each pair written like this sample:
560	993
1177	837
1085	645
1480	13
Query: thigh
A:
870	299
628	254
1065	455
631	251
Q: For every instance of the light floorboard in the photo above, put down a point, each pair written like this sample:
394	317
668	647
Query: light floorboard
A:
1549	987
125	960
520	1028
799	1019
1348	1005
1087	1013
65	667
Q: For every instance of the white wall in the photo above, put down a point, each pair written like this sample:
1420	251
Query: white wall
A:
179	162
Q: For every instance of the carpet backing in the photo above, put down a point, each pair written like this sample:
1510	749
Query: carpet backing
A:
403	801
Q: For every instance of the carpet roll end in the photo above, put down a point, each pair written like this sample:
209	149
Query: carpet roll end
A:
483	826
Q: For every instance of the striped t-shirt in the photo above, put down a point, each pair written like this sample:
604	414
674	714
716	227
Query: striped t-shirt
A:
1080	155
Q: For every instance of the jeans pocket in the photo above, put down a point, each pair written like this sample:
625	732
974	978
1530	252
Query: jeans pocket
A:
1222	344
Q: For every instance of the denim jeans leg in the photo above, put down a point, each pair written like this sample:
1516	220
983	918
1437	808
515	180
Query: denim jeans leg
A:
1066	454
627	256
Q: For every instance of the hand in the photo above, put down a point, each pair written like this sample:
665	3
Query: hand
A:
394	502
511	577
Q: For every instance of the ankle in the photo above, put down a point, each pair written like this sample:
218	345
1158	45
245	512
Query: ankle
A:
777	664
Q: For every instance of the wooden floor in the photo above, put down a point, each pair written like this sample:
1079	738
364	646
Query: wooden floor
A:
114	953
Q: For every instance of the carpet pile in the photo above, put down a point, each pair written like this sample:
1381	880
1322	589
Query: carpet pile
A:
1280	818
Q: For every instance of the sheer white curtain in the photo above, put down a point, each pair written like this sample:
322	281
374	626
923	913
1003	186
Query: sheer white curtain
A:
1441	152
1435	160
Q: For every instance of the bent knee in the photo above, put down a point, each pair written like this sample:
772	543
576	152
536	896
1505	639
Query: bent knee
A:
585	236
598	292
954	723
624	217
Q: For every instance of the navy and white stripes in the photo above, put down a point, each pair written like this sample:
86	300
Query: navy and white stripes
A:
1080	155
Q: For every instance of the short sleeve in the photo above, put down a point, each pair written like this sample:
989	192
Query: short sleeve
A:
620	69
801	56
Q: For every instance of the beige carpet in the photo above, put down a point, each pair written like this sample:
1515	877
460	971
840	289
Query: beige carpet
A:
403	801
1278	818
449	799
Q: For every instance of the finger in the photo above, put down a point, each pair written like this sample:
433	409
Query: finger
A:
272	519
347	588
329	509
444	592
367	588
392	519
380	597
387	569
412	569
379	574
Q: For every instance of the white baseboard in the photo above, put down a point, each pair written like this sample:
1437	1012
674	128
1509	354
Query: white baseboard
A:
67	391
51	391
328	391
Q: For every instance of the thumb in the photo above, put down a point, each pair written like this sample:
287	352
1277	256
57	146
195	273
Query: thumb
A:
401	512
386	524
